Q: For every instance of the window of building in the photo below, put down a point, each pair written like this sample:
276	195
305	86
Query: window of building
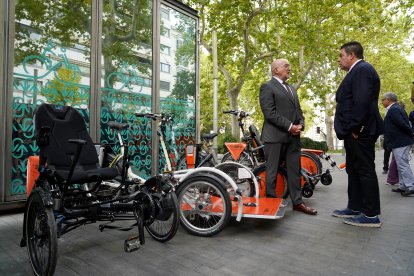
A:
165	14
165	68
165	85
180	42
165	49
165	31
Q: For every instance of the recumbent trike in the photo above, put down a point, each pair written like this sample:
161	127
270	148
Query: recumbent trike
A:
72	189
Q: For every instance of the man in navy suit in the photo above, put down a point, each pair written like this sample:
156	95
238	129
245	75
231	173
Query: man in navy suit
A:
398	136
358	122
283	122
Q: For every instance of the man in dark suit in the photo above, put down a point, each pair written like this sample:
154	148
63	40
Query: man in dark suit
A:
358	122
283	122
398	136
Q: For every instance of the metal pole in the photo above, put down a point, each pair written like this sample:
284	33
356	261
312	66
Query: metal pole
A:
215	91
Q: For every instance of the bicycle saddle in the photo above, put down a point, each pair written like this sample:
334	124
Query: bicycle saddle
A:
209	136
118	126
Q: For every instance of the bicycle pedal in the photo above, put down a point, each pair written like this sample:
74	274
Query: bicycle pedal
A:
132	244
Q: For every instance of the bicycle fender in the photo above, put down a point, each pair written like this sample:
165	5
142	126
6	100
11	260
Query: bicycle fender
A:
201	174
252	175
46	196
209	171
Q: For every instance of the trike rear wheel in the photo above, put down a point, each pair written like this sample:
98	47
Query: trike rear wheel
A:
205	206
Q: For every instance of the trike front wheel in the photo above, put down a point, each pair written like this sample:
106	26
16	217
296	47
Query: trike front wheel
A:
41	236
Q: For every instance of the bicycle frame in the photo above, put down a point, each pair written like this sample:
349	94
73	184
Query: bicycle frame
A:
235	149
181	175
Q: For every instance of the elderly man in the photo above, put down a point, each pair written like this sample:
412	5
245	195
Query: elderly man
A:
283	122
398	136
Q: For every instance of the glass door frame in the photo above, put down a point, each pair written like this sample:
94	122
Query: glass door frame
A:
7	35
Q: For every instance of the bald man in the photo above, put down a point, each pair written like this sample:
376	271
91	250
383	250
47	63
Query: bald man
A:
283	123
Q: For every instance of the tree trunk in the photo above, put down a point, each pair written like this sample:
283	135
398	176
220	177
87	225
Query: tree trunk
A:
235	131
329	125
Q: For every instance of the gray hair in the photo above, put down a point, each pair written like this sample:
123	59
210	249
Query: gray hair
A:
391	96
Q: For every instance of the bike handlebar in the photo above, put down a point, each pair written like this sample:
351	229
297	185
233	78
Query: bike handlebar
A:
239	113
165	117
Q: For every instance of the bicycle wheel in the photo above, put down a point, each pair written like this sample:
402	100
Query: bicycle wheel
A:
245	184
244	159
41	236
165	225
311	163
281	188
205	206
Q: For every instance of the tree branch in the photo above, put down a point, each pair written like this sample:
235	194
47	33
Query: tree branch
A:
132	32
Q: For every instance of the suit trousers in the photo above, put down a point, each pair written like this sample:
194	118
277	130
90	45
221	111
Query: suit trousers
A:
275	154
387	153
363	190
402	158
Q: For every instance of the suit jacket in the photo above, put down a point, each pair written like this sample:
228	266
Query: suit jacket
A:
411	119
397	130
357	103
280	110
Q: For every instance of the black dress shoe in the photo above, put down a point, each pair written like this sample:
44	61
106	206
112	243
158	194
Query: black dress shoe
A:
407	193
398	190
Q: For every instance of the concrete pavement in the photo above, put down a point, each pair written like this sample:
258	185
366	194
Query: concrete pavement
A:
298	244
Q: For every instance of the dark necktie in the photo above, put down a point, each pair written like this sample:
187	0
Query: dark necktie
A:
288	89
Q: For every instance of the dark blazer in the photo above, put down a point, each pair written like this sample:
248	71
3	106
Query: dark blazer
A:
280	110
357	103
411	119
397	130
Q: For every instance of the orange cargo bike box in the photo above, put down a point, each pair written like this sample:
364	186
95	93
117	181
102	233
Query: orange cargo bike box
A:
256	206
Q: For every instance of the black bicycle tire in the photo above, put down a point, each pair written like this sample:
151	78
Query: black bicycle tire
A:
35	201
251	188
262	169
315	158
174	225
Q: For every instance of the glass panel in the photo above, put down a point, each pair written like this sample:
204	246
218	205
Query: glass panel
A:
126	77
179	96
52	64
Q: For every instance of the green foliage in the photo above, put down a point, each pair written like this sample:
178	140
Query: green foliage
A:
185	86
308	143
308	33
126	27
63	89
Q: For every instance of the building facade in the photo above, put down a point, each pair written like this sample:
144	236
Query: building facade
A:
108	59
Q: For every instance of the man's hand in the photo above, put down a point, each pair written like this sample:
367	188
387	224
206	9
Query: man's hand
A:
295	129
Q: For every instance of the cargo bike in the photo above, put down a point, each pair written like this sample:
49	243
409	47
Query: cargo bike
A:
207	196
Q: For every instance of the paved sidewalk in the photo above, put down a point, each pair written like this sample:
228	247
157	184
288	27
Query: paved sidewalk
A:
296	245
